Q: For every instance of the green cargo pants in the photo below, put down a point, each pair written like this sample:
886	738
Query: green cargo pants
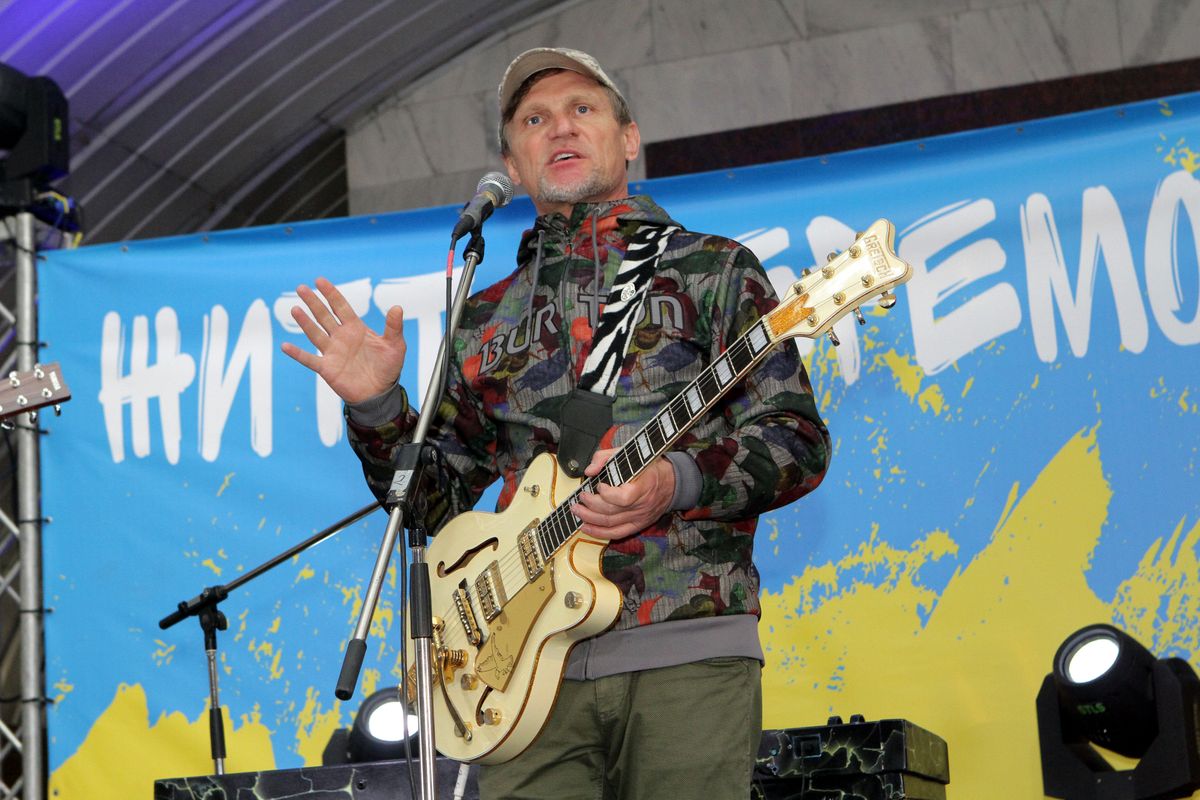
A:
689	732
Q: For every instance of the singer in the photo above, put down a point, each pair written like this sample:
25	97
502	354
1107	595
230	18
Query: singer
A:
666	703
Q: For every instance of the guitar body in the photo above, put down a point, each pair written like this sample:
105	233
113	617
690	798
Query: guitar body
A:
502	683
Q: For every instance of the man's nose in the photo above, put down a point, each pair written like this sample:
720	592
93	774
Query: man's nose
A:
563	125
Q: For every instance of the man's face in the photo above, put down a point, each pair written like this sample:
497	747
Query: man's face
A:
566	146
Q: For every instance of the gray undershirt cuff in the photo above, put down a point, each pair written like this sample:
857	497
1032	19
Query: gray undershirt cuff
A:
688	481
665	644
380	409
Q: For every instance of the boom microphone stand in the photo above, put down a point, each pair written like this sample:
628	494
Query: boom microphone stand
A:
204	606
409	464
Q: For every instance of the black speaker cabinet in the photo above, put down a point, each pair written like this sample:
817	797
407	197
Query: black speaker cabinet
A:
891	759
380	780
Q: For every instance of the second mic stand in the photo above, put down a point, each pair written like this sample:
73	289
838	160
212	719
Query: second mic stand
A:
204	606
419	616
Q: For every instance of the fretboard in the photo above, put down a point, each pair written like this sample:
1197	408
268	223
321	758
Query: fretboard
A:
657	436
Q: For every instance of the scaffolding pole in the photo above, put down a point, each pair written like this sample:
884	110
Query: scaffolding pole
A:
29	522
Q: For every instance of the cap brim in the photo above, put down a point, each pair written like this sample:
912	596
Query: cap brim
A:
537	61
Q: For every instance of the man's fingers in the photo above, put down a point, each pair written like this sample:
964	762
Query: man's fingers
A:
599	459
317	308
337	301
315	333
393	323
306	358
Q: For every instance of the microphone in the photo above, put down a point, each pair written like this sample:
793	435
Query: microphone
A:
494	190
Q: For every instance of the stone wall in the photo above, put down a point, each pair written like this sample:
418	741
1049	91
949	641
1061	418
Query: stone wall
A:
701	66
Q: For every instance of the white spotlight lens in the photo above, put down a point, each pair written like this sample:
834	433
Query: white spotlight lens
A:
386	722
1092	659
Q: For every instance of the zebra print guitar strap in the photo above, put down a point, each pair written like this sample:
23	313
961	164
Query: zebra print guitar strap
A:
587	414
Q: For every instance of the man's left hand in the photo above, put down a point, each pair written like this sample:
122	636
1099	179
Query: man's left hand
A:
614	512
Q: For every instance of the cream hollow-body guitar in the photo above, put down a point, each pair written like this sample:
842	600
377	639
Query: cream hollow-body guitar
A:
513	592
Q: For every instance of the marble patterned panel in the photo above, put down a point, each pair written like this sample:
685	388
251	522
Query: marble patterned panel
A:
1157	31
977	5
454	132
1034	42
400	195
688	28
839	16
383	148
617	32
871	68
477	70
711	93
797	10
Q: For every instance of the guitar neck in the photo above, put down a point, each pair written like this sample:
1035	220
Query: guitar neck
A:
867	269
664	429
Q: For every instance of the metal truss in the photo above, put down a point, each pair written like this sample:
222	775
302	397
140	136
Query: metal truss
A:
22	663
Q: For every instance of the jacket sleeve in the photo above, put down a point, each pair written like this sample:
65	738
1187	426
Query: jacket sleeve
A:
462	439
775	447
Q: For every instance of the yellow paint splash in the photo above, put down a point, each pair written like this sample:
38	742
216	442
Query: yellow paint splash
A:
1178	155
64	688
907	374
1159	604
315	726
971	670
163	653
931	399
124	753
225	483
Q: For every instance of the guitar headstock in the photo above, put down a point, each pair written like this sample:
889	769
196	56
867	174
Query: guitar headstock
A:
867	269
28	391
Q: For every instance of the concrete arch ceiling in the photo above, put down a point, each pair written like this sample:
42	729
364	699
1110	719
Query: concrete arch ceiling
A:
191	115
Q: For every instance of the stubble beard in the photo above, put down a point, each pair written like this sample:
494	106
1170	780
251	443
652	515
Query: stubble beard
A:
592	185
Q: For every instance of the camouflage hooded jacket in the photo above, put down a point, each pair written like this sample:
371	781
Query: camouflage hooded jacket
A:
520	349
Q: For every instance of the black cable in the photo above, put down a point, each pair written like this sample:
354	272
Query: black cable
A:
12	240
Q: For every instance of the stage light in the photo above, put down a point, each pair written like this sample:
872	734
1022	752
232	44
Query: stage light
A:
1107	690
377	734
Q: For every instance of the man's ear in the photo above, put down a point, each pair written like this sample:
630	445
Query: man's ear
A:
511	166
633	141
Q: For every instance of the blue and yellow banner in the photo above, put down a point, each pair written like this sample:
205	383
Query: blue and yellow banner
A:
1016	450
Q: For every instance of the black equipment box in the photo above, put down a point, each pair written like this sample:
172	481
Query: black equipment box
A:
378	780
891	759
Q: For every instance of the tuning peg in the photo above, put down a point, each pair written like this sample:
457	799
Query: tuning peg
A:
7	425
58	409
33	415
858	315
831	256
858	235
834	340
887	300
804	273
14	379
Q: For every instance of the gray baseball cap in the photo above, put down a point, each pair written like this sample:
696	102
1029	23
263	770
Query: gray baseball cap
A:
542	58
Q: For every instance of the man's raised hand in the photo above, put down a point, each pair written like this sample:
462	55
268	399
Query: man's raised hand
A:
356	362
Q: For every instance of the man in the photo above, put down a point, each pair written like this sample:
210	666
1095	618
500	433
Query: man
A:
667	703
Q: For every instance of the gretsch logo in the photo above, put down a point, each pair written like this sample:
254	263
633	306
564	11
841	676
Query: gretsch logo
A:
875	251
